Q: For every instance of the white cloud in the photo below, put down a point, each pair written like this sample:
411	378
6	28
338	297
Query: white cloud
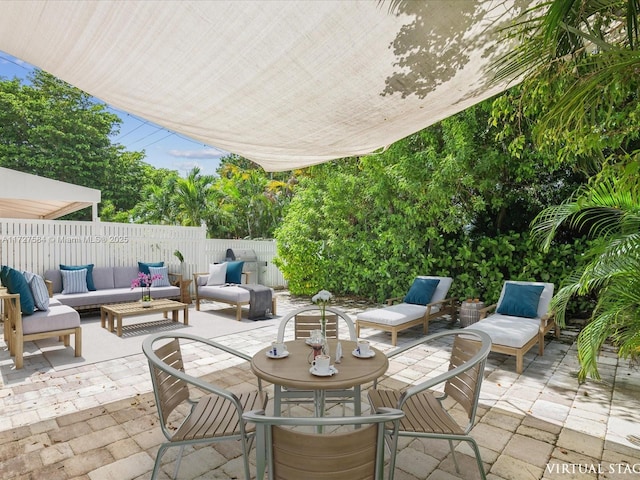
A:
206	153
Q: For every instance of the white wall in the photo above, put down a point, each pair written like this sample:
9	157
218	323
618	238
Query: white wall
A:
38	245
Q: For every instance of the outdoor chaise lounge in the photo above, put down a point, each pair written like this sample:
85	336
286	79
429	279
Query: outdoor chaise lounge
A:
522	319
425	301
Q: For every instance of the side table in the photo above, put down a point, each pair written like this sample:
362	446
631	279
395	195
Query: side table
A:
185	294
470	312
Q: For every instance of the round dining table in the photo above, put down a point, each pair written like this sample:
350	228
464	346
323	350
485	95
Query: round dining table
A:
294	371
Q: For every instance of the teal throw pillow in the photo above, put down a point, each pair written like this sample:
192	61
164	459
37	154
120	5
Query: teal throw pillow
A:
520	300
234	272
16	283
88	268
421	291
144	266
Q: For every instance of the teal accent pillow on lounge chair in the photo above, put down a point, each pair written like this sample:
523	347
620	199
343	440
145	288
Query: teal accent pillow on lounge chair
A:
421	291
16	283
234	272
520	300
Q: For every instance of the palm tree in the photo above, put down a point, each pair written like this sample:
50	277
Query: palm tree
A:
583	56
192	198
610	211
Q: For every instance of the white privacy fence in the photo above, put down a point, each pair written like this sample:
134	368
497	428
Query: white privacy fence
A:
39	245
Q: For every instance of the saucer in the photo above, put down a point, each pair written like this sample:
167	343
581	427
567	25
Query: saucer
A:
371	354
331	371
284	354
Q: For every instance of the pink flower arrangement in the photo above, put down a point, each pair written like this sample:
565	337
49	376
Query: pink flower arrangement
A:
145	280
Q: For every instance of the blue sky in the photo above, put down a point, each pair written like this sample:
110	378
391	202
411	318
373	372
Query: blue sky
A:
163	148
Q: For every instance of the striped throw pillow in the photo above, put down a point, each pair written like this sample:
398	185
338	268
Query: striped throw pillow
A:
160	282
38	290
74	281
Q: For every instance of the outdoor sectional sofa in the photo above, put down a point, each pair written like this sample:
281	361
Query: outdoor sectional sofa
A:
112	285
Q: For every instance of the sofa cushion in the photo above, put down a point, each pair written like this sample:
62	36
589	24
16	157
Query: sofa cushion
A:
115	295
74	281
395	314
163	281
217	274
88	268
508	330
58	317
421	291
234	272
16	282
103	278
123	276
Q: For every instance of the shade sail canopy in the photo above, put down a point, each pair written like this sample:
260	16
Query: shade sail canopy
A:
23	195
284	83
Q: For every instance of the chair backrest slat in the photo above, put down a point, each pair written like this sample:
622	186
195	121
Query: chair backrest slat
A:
305	324
348	456
171	391
464	388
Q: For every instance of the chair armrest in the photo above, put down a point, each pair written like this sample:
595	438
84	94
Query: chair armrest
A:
391	301
49	285
483	311
480	356
175	279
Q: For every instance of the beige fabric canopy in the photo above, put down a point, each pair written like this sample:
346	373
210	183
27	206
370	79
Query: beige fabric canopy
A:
284	83
23	195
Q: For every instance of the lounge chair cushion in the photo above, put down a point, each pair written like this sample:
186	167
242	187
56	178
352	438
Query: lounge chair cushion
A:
545	297
421	291
395	314
520	300
225	294
508	330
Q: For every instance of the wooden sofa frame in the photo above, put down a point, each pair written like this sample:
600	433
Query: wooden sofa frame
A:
15	338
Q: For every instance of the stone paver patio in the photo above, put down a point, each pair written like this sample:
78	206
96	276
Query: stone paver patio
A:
99	421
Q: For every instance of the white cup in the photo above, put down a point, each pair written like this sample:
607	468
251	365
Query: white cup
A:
277	349
321	364
363	348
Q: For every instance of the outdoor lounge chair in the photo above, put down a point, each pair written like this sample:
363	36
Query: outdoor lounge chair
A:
353	454
522	319
425	414
423	303
216	415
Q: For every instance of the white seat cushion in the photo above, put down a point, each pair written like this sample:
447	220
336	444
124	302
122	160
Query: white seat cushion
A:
225	294
395	314
507	330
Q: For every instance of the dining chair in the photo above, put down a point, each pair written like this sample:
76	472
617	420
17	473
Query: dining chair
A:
425	414
187	418
305	320
290	450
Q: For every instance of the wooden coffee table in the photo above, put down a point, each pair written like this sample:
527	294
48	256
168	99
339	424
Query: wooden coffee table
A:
119	311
